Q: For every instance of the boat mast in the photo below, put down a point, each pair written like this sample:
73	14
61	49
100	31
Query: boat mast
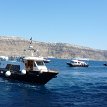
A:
30	48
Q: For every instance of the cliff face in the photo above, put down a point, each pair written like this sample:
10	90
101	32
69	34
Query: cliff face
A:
14	46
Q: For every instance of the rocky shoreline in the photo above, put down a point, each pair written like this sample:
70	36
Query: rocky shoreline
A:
14	46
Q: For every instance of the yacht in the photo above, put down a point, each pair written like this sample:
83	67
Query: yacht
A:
77	63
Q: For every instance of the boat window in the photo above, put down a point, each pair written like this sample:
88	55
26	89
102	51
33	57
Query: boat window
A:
72	62
35	64
40	63
13	67
8	66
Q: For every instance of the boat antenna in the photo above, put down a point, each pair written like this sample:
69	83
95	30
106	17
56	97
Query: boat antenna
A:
30	48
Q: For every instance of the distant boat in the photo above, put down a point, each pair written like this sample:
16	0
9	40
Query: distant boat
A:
105	64
46	60
77	63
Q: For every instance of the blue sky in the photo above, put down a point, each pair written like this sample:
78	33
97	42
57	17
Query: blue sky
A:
80	22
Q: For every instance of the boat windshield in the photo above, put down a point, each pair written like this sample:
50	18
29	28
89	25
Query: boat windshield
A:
73	61
40	63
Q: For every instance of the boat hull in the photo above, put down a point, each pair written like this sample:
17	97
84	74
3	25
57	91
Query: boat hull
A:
72	65
33	77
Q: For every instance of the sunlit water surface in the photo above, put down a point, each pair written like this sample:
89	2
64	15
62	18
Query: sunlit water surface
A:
73	87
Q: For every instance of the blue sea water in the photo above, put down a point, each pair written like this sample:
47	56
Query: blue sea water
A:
73	87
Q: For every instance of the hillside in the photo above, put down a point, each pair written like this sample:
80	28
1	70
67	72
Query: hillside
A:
14	46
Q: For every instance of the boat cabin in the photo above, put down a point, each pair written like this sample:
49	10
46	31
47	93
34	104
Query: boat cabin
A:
77	62
27	64
34	64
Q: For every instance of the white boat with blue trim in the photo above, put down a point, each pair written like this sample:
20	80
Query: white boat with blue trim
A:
77	63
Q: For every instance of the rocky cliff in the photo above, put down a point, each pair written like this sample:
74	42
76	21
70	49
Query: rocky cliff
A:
14	46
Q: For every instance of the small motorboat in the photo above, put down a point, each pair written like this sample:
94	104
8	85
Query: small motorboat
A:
77	63
46	60
29	69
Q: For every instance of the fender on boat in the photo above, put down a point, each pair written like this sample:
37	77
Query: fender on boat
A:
7	73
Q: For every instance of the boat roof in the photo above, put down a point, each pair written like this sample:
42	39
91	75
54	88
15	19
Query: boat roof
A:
76	60
33	58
